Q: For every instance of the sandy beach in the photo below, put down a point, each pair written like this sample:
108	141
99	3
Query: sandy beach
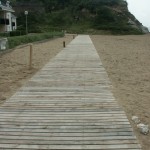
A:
14	65
125	58
127	62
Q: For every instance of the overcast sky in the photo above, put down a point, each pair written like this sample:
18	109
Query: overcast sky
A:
141	10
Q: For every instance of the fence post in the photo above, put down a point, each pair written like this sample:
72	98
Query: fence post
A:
64	44
30	59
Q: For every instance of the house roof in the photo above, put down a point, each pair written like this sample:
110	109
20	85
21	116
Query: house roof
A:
4	7
13	16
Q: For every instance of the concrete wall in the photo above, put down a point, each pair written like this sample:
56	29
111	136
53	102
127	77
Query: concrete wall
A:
15	21
9	27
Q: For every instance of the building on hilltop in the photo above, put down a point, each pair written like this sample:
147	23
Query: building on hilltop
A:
7	19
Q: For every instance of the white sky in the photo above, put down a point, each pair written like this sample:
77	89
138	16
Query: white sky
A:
141	10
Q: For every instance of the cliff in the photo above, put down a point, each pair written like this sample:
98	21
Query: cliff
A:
78	16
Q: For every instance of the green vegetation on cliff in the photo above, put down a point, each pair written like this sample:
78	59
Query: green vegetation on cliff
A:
80	16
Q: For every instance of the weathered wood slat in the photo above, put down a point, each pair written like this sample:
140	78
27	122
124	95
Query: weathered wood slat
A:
61	127
104	119
100	113
44	142
63	109
45	128
71	134
64	114
71	138
75	147
67	105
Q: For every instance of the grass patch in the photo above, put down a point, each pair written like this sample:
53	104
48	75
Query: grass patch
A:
18	40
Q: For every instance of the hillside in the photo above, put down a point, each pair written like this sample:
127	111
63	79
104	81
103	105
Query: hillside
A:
77	16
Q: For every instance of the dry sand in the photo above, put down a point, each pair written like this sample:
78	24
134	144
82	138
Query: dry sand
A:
127	62
14	65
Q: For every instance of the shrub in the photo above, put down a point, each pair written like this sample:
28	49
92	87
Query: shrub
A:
17	33
18	40
5	34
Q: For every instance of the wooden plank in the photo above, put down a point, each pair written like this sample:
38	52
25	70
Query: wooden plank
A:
16	109
44	129
62	126
45	114
71	138
39	112
77	142
75	147
71	134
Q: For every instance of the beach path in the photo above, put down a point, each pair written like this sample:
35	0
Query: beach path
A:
68	104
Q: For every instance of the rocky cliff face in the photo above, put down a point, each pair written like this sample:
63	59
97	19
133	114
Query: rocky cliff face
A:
144	29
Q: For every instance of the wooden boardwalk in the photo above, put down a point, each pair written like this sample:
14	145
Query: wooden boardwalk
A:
67	105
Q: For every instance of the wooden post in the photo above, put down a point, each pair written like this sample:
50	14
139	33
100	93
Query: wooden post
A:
30	59
64	44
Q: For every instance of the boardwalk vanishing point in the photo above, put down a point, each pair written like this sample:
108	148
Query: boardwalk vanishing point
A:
67	105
